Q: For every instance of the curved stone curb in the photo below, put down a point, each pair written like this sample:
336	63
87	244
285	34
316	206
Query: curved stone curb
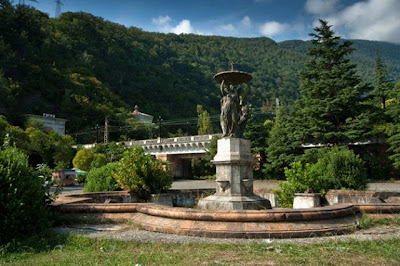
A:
97	208
379	207
219	229
271	215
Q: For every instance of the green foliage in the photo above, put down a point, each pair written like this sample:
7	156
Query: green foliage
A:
78	67
34	123
258	133
112	150
141	175
139	130
381	85
283	144
98	161
330	168
296	176
101	179
393	111
204	124
364	56
331	105
83	159
24	195
50	148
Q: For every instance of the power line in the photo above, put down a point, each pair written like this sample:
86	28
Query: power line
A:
171	122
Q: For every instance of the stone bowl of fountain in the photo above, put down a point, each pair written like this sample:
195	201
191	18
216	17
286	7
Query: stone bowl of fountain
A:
233	77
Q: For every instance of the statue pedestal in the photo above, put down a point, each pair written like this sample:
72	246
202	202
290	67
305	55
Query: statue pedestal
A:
234	164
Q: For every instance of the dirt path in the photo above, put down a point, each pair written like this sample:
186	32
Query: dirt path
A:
131	233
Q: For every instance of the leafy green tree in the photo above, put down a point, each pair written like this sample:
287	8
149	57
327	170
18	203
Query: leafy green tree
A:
98	161
137	129
63	151
52	149
141	175
204	124
332	94
16	135
83	159
24	197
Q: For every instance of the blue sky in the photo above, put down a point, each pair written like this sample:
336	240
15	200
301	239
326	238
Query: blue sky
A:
276	19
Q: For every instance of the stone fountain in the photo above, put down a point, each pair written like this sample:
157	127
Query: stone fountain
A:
234	161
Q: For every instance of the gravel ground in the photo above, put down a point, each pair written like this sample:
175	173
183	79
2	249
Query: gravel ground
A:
128	233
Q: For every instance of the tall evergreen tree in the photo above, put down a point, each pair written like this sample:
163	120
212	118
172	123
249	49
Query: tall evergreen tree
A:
283	144
331	92
380	91
393	110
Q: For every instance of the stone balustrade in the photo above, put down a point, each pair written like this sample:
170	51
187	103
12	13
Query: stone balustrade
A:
178	145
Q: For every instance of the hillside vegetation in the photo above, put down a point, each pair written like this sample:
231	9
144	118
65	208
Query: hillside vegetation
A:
82	68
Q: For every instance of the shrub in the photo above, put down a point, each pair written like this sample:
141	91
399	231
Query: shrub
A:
336	168
98	161
101	179
24	196
141	175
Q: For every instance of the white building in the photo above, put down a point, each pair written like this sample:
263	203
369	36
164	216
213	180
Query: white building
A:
50	121
142	116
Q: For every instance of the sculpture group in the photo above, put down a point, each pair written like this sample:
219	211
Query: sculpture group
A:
234	160
234	109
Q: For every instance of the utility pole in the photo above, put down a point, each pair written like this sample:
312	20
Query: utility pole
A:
58	7
159	126
97	133
106	130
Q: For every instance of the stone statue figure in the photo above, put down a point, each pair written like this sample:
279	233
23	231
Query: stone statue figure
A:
229	110
234	109
244	108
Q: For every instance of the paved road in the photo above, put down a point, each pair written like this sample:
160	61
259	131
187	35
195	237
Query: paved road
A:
210	184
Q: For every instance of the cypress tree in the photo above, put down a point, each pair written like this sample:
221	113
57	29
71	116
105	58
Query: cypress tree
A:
331	109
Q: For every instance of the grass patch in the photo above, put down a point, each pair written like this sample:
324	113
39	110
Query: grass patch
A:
367	221
61	249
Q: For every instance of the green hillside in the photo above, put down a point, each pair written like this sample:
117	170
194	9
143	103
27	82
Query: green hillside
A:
363	55
82	68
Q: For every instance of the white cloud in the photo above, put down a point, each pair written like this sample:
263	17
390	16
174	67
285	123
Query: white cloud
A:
246	21
273	28
228	27
370	19
183	27
163	24
321	7
161	20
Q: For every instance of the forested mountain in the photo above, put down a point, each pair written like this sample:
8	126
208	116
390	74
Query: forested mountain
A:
82	68
363	55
